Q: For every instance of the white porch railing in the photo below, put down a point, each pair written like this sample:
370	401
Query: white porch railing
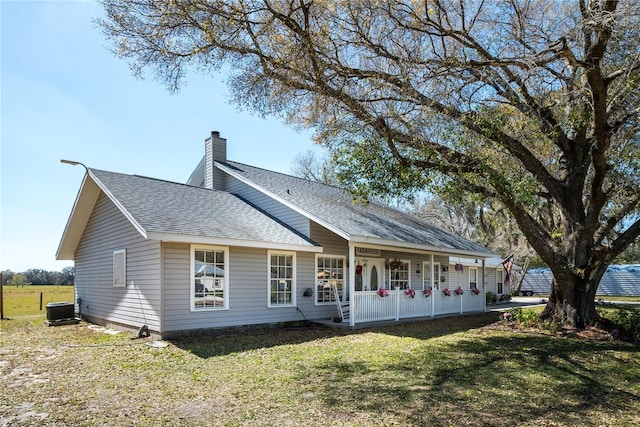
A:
368	306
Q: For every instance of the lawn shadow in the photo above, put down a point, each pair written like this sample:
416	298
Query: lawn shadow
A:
520	379
252	338
241	340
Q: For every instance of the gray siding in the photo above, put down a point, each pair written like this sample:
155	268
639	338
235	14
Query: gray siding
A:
248	280
490	284
287	215
139	302
331	243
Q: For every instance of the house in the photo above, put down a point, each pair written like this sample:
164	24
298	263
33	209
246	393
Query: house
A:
239	245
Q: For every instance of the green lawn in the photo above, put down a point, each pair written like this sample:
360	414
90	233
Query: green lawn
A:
25	301
470	370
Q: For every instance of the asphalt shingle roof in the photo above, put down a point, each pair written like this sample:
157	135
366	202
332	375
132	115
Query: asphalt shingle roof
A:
167	207
335	206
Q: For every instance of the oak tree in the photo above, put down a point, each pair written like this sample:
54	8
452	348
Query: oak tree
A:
530	103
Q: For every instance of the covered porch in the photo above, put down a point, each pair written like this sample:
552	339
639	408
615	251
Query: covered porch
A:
390	283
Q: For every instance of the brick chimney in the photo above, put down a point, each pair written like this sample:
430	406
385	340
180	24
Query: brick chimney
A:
215	150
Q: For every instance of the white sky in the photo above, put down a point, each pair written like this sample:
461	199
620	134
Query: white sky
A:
64	95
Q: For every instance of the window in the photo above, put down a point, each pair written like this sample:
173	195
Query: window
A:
329	275
120	268
209	287
399	275
499	280
473	278
426	275
282	279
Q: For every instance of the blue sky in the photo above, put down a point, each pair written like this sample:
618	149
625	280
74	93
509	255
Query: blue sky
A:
64	95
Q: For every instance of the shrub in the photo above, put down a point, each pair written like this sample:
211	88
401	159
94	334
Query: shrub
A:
526	318
628	323
491	297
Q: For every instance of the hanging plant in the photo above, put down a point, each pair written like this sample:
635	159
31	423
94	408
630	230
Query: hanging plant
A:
459	267
395	264
447	292
459	291
427	292
410	293
383	293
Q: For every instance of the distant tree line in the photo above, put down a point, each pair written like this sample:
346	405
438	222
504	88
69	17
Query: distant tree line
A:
37	276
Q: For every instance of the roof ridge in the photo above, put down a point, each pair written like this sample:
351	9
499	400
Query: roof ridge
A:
287	175
155	179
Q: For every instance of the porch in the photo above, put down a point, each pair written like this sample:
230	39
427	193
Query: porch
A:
396	305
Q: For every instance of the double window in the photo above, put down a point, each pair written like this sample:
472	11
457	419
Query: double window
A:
329	274
282	279
209	284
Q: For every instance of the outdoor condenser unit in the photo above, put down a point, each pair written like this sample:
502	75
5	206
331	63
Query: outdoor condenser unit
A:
60	311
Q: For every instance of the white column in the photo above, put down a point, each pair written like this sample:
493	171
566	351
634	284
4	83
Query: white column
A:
433	287
352	284
484	285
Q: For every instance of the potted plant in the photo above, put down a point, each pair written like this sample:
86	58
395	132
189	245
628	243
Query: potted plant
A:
459	291
410	293
427	292
447	292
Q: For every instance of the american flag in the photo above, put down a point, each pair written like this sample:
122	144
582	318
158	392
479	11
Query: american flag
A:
508	265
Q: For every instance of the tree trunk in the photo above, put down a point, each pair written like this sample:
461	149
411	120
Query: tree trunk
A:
572	299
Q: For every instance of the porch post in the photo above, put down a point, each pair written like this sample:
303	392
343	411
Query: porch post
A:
352	284
433	285
484	280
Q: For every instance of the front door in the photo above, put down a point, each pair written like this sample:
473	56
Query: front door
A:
371	277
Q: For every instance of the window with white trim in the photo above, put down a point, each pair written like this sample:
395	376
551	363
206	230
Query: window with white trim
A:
120	268
282	279
426	275
209	284
473	278
499	280
329	274
399	277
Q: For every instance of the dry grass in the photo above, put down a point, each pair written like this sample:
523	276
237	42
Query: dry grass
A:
453	371
25	300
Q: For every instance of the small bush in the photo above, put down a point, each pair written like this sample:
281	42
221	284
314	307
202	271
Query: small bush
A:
628	323
529	318
526	318
491	297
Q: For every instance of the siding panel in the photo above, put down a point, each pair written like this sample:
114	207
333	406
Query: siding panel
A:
247	275
139	302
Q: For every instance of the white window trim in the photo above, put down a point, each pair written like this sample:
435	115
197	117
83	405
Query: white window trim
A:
192	281
294	285
426	272
500	275
390	279
469	278
345	273
120	254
